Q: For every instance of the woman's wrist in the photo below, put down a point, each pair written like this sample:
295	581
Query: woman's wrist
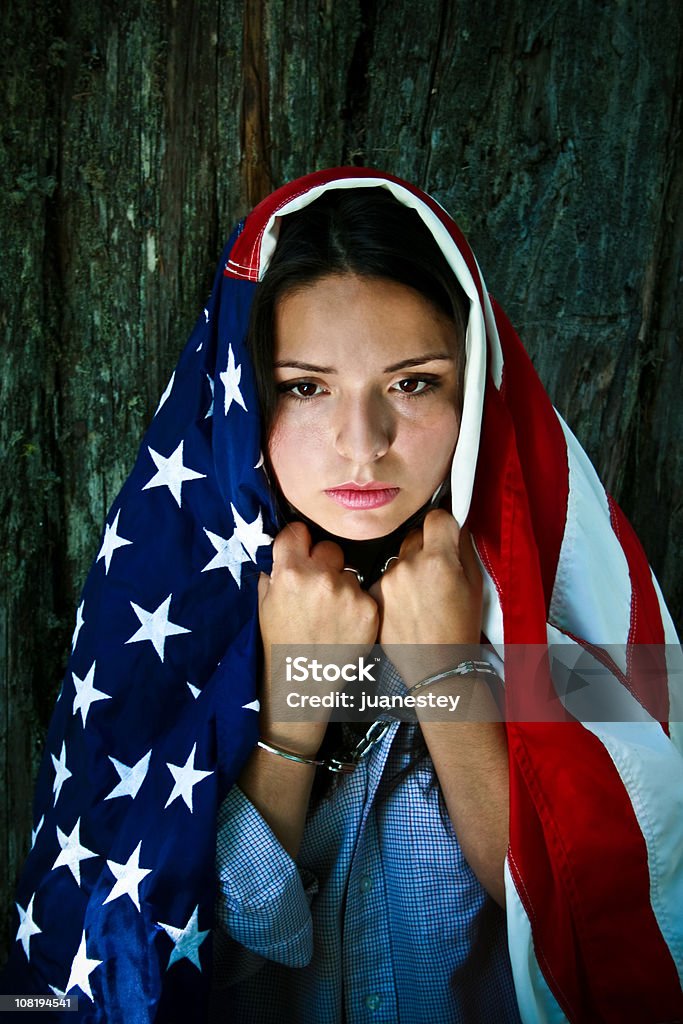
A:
468	668
299	738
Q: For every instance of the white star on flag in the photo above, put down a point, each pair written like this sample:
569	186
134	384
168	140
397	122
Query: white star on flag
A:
79	624
231	382
131	777
211	385
186	777
36	830
128	877
254	705
194	690
27	926
111	542
155	626
250	535
72	852
171	472
86	694
81	969
186	940
62	773
230	555
167	392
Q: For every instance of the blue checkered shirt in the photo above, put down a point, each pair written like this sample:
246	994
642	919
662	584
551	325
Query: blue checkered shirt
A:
381	919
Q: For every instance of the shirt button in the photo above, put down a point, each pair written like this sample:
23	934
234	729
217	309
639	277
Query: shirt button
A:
365	883
372	1001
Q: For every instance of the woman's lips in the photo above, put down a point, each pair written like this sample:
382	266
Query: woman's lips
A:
366	496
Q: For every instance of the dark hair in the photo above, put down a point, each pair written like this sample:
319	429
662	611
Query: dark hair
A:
363	231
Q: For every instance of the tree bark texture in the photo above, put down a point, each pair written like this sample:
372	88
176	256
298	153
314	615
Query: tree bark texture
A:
135	134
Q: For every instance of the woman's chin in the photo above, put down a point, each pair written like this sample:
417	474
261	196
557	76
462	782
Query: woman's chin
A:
361	525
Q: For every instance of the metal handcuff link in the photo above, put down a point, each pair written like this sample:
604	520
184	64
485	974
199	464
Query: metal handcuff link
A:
359	576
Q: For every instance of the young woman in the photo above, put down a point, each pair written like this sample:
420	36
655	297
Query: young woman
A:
350	399
358	338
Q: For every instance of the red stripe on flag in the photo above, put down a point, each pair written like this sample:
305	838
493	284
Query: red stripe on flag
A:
580	865
542	451
646	670
500	524
646	617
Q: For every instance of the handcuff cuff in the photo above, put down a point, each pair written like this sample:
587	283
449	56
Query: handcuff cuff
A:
375	733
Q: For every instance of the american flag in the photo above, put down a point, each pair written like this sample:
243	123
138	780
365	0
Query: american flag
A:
159	708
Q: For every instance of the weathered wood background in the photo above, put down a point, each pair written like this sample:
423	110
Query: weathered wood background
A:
135	132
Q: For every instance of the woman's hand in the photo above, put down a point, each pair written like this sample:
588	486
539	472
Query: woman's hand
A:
431	596
308	599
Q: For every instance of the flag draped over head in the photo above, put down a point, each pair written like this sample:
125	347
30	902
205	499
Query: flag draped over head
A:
159	706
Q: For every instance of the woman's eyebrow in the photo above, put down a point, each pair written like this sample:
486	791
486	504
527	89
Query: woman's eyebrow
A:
429	357
295	364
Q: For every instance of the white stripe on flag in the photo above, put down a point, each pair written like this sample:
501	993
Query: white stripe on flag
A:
674	667
537	1004
601	696
592	591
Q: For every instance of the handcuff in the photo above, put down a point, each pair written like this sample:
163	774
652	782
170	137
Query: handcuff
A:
375	733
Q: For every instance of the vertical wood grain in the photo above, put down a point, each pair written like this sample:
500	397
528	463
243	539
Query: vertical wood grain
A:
134	135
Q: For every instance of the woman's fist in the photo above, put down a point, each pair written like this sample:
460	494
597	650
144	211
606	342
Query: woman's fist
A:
432	595
308	599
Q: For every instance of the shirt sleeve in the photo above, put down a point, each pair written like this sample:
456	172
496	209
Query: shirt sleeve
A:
263	899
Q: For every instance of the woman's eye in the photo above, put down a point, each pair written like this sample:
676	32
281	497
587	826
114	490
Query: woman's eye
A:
413	386
301	389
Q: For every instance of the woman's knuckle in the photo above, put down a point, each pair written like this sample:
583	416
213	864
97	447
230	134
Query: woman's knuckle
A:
434	561
439	517
290	577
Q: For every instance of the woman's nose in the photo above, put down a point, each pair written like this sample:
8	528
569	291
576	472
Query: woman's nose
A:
363	430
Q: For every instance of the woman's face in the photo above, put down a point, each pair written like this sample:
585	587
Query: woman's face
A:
368	417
